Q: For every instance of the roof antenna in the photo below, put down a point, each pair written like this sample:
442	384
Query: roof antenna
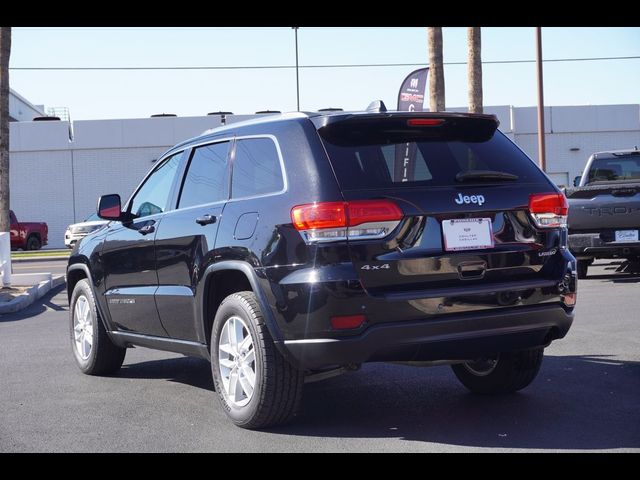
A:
377	106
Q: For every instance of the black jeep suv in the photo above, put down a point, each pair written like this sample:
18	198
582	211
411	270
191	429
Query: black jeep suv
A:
296	246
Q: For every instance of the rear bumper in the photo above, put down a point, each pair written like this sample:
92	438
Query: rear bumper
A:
592	245
455	337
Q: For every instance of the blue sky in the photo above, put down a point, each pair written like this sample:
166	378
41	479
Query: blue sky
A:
128	94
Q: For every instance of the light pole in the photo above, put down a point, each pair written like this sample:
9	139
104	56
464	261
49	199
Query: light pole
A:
295	29
542	160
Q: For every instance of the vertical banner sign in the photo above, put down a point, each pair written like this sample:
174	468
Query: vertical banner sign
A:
410	99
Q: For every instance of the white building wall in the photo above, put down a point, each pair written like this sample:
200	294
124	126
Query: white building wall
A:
42	190
108	170
562	162
58	180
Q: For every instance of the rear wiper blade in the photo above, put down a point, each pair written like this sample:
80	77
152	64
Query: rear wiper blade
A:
484	175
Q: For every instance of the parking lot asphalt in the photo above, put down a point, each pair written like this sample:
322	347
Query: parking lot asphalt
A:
584	399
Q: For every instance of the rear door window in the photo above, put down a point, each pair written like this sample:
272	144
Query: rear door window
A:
256	168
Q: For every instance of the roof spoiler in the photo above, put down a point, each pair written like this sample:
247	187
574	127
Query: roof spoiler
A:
400	127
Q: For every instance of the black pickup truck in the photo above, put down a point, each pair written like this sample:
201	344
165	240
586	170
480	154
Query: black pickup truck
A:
604	210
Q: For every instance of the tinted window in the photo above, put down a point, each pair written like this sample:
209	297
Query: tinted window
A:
256	168
620	168
418	172
434	163
153	196
206	180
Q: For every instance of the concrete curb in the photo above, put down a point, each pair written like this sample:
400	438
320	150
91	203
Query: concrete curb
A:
31	295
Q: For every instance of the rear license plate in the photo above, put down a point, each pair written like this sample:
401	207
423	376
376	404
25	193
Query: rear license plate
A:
467	234
626	235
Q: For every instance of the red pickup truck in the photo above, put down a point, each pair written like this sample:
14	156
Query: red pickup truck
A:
28	235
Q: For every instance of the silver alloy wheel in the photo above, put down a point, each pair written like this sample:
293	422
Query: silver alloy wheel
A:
237	361
483	366
83	327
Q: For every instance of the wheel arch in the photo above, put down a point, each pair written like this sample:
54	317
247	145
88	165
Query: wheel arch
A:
80	271
33	234
75	273
224	278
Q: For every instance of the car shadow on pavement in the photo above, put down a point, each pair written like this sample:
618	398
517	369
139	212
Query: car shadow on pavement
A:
187	370
576	402
617	277
38	306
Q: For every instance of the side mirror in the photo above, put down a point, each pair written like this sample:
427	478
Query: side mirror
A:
109	207
576	181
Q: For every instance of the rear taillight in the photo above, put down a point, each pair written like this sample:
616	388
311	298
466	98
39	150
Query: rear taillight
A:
569	299
355	220
548	210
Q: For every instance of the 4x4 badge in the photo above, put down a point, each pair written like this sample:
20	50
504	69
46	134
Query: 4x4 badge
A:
384	266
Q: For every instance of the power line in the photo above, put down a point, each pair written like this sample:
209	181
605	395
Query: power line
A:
283	67
220	29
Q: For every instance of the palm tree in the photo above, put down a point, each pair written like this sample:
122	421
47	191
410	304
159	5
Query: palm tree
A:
474	69
436	69
5	51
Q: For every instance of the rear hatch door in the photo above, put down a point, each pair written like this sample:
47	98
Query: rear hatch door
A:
464	189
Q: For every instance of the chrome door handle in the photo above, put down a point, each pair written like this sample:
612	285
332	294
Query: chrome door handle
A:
206	219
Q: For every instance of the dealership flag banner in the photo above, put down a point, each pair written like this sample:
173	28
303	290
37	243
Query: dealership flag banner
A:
410	99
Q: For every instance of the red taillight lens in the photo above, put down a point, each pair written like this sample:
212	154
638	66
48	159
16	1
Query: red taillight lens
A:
569	299
548	210
319	215
347	321
334	221
368	211
424	122
555	203
343	214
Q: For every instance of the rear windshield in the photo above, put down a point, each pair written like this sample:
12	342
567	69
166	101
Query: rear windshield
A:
432	162
619	168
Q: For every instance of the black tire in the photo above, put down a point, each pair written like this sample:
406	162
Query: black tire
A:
278	384
33	243
104	356
582	267
512	372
